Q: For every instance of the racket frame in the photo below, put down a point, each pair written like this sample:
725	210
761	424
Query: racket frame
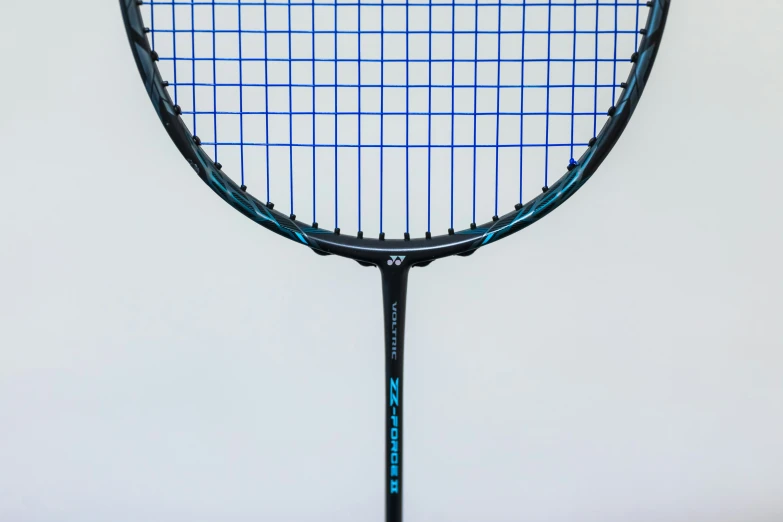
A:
395	257
376	251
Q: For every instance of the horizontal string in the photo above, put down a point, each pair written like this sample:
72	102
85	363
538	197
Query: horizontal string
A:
331	32
393	145
391	113
395	3
394	86
397	60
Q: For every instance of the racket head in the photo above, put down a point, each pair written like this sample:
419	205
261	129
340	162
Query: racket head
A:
382	251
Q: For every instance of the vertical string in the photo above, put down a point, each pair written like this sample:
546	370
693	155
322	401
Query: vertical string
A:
214	84
336	113
548	83
453	65
290	116
383	67
595	87
573	92
497	116
475	103
241	95
312	50
266	102
614	62
429	123
359	115
175	57
407	118
522	105
193	64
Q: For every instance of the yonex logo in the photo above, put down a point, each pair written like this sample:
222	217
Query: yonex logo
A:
395	260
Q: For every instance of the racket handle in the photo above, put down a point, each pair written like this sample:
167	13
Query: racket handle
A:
395	284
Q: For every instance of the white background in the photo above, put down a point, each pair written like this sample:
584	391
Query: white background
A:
164	359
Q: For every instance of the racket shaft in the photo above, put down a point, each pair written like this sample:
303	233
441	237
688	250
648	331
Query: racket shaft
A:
395	282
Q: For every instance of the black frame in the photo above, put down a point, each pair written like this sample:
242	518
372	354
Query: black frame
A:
395	257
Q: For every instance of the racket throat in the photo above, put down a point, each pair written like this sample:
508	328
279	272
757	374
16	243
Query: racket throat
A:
395	284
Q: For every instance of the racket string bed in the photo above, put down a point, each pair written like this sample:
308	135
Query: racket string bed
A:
294	96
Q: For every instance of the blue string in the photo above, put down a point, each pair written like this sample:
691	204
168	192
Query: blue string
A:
401	60
469	145
429	125
475	107
193	62
548	82
466	86
614	72
336	121
523	3
595	92
175	56
522	106
400	32
290	118
573	93
453	110
497	117
312	50
412	113
241	101
407	119
214	87
383	110
266	105
359	115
